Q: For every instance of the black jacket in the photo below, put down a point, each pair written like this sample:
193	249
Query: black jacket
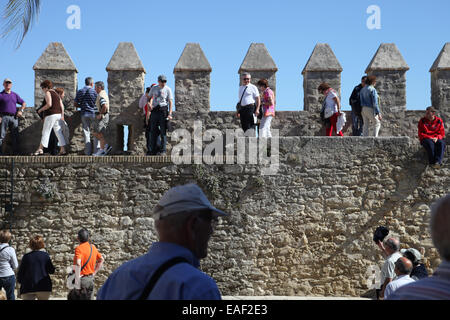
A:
355	100
34	272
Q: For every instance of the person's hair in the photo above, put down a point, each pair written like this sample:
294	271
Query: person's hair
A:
371	80
245	74
47	84
5	236
393	244
148	90
263	83
100	84
323	87
83	235
432	109
60	91
440	226
88	81
37	243
411	257
402	267
364	78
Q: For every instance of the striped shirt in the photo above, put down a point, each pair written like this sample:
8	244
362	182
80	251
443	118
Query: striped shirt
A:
85	99
436	287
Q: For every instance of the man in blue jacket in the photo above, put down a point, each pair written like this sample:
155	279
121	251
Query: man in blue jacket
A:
184	221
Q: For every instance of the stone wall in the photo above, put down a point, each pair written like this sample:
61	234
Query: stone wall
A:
305	231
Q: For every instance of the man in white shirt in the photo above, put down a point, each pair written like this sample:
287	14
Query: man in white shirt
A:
391	249
403	268
250	102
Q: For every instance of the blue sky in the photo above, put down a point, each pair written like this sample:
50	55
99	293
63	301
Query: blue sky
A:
225	29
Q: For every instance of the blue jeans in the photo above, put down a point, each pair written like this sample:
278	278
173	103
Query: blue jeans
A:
357	124
435	150
158	128
12	123
9	284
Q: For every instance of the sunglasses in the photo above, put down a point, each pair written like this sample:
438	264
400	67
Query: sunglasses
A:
246	79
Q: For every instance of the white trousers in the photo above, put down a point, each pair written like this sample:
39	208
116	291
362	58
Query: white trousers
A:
52	123
264	130
370	120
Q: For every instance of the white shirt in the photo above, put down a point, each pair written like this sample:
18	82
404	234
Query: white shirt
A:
396	284
142	102
250	96
330	103
389	266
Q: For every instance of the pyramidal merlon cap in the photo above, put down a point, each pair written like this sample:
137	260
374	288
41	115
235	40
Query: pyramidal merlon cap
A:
125	58
322	59
55	57
443	60
387	58
192	59
258	58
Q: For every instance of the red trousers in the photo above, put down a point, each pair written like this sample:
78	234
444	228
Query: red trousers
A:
332	127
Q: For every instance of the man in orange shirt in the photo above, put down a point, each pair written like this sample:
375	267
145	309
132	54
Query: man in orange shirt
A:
88	262
431	136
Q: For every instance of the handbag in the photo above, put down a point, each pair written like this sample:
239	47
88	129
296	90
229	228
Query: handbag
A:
238	105
71	275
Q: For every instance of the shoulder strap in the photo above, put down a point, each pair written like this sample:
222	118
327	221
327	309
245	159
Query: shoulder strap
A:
4	248
243	94
158	273
87	259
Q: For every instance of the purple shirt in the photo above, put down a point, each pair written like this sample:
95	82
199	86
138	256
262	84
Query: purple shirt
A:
9	102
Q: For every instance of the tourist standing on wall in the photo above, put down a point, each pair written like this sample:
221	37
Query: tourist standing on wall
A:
391	248
34	272
85	100
161	107
88	262
249	103
403	268
419	270
143	104
370	107
267	110
355	102
184	220
436	287
331	108
102	118
8	263
52	112
431	136
10	115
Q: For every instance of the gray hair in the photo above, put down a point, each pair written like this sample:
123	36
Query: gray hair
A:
88	81
393	244
440	226
100	84
246	74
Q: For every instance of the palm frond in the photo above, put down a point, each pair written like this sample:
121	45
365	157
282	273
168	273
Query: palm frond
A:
18	17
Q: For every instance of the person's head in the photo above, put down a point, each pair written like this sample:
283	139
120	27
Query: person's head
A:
440	226
403	266
162	80
371	80
412	255
46	85
392	245
5	236
185	216
323	87
363	81
263	84
99	86
89	81
7	84
83	235
246	78
147	91
430	113
37	243
60	92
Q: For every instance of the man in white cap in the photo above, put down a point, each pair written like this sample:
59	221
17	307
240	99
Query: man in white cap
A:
184	220
10	115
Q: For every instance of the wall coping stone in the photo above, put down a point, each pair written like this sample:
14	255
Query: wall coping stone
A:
443	60
125	58
387	58
322	59
55	57
192	59
258	58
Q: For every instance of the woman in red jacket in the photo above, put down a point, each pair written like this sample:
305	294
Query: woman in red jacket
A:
431	135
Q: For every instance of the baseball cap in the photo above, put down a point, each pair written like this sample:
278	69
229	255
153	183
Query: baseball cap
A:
414	252
7	80
162	78
182	199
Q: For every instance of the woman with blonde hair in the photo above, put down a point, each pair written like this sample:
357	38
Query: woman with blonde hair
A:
34	272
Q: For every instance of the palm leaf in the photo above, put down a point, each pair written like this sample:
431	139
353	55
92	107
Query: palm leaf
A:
18	17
